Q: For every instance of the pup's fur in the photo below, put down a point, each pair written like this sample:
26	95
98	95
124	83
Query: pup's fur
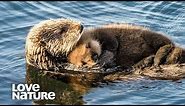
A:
83	54
129	44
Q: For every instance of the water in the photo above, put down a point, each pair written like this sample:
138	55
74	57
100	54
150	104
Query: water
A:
165	17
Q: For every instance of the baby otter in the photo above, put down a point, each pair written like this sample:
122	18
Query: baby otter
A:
49	42
129	44
84	54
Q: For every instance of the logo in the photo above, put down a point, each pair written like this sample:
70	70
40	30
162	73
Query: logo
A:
30	91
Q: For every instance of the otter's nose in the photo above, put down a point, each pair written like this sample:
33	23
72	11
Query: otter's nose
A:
81	28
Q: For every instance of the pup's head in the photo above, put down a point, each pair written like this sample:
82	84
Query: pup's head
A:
85	54
95	48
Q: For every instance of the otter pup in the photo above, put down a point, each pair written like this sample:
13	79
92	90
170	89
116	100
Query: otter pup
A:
129	44
84	54
49	42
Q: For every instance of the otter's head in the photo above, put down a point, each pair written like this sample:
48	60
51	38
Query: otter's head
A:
57	36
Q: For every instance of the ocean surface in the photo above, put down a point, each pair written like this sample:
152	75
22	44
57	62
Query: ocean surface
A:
16	18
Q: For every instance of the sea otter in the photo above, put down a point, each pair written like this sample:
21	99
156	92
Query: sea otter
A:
85	54
49	42
132	45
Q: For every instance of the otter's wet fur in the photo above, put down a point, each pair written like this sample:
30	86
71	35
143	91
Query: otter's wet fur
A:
49	42
129	43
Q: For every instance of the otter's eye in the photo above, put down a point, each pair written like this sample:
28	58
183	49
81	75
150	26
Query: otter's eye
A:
42	43
88	45
63	29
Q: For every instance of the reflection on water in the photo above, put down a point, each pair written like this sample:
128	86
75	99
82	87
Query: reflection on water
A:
66	93
68	85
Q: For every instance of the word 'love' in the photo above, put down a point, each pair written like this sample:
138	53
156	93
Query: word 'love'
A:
31	91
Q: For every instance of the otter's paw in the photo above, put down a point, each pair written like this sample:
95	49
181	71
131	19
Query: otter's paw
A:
146	62
175	56
162	54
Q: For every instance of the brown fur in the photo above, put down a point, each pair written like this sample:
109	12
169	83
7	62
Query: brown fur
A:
49	42
129	43
162	54
175	56
81	55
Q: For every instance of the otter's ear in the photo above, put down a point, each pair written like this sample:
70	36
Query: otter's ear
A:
62	30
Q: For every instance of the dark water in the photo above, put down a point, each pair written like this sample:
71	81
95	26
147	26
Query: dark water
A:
18	17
